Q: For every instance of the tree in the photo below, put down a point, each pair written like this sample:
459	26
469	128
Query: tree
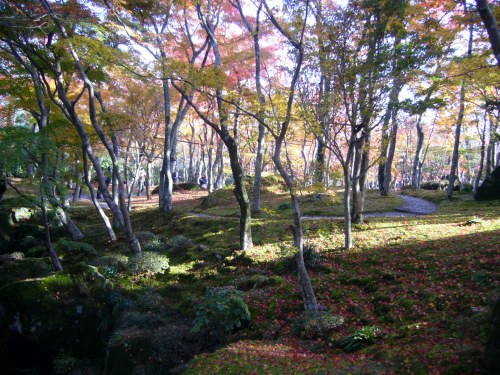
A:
460	116
491	25
21	147
54	48
220	121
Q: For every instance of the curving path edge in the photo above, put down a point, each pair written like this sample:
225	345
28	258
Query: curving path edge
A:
411	207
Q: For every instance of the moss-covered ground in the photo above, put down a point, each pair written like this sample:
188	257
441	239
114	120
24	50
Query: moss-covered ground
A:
426	282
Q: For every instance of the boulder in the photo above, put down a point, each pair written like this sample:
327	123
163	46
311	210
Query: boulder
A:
490	188
50	315
491	363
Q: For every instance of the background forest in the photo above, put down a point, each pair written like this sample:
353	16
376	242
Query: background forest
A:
180	177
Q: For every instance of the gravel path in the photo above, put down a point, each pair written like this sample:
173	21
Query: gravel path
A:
411	207
416	206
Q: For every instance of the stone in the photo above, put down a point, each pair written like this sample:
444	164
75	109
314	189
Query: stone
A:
490	188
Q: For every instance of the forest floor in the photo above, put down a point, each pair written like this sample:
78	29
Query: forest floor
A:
417	291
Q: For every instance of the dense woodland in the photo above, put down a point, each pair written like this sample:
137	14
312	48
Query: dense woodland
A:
306	120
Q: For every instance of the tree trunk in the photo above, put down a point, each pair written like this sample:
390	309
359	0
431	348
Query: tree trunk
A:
98	207
491	26
71	229
319	171
47	241
455	156
417	162
390	158
241	195
258	169
210	169
149	178
355	183
166	182
347	209
219	184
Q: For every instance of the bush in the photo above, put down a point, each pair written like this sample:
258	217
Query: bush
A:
148	262
434	185
284	206
317	324
311	255
223	310
150	242
466	187
150	301
179	244
118	261
64	364
65	246
360	338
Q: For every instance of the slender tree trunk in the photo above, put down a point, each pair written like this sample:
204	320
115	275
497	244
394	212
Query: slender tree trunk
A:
210	154
355	182
491	26
166	182
365	163
417	162
319	171
219	184
347	209
47	240
241	195
98	207
149	178
390	158
258	169
455	156
71	229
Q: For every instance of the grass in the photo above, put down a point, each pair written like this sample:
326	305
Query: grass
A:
428	282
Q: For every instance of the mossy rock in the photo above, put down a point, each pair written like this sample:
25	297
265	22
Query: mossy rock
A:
154	351
317	324
179	187
118	261
490	188
256	281
25	268
50	313
219	198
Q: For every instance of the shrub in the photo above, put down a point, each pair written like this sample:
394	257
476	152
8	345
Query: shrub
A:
179	244
118	261
148	262
150	301
284	206
150	241
316	324
466	187
223	310
67	246
434	185
360	338
64	364
311	255
252	282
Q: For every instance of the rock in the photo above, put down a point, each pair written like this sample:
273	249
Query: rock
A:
28	242
154	351
317	324
491	363
49	313
21	214
319	197
490	188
